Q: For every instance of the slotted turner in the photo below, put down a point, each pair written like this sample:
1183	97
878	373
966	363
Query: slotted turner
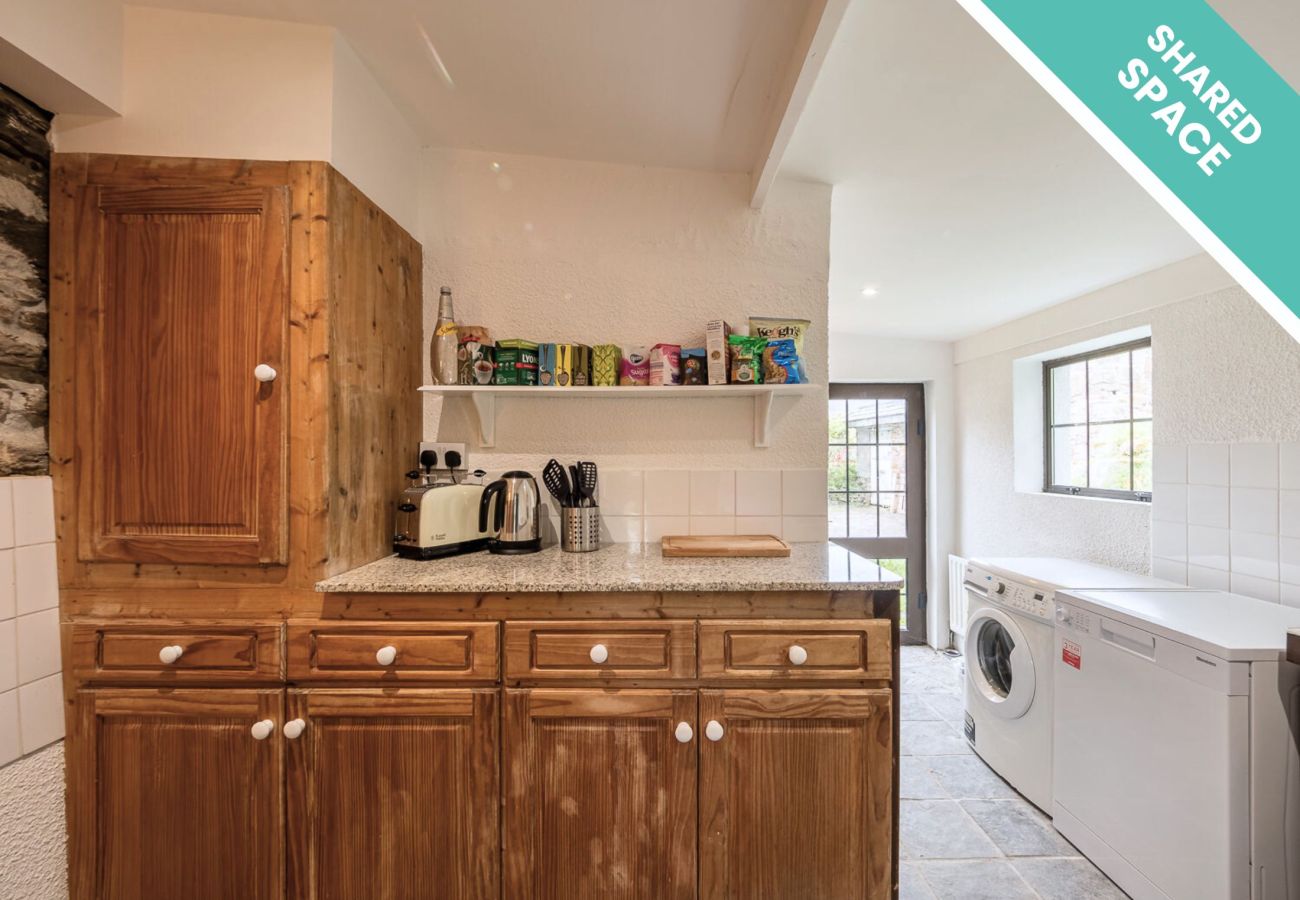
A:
586	486
557	482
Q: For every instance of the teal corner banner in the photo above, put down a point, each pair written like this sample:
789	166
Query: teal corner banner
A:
1196	105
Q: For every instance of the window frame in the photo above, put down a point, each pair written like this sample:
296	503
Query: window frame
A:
1049	365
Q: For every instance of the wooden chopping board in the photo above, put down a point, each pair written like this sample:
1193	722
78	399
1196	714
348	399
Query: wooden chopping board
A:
701	545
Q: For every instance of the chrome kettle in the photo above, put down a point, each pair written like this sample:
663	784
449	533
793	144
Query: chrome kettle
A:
517	518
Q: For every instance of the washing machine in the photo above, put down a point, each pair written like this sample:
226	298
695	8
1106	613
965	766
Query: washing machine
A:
1010	644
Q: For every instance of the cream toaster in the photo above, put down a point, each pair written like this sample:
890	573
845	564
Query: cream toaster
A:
440	518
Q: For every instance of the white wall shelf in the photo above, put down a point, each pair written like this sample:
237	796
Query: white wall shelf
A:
484	398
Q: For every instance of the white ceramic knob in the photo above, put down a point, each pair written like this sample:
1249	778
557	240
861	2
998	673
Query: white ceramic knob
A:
386	656
263	372
684	732
713	731
294	729
798	655
599	654
262	730
169	655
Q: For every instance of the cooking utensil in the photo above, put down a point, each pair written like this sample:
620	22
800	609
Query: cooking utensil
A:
575	496
557	482
587	483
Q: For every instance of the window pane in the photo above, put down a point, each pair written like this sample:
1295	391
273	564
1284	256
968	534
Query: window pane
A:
837	468
1142	384
862	468
893	421
862	515
1070	456
1108	388
892	468
837	515
835	411
862	421
1142	456
1069	395
1108	457
893	515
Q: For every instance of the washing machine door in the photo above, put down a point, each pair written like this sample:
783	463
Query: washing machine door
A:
998	663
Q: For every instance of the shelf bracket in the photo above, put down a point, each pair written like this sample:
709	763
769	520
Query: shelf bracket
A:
485	409
762	410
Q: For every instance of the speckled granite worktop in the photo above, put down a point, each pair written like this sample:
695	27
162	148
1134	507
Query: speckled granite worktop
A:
617	567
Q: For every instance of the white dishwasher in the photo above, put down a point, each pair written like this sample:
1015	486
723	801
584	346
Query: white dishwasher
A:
1176	766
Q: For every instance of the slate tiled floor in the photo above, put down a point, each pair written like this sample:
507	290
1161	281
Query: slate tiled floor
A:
965	834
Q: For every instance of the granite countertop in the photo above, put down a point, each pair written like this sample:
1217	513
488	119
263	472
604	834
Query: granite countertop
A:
617	567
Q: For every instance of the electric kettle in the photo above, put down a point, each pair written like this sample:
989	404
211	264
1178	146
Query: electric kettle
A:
517	518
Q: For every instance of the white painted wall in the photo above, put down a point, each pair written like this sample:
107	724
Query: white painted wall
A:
65	55
861	358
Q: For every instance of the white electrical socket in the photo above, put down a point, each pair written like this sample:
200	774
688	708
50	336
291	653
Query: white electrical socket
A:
441	450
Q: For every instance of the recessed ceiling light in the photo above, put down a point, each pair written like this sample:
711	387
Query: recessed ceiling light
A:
869	291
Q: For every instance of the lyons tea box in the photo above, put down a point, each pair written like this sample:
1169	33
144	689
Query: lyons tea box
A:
604	364
516	362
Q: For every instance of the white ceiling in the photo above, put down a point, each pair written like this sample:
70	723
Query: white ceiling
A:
679	83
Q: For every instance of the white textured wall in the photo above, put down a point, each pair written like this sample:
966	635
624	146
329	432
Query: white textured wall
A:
33	864
550	249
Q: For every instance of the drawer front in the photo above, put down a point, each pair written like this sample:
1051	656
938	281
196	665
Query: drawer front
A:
162	654
445	651
547	651
846	649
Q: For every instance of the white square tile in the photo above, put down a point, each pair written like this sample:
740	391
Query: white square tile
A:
33	510
1169	569
1254	554
1207	464
759	525
1254	509
38	645
1170	463
713	524
620	529
713	493
1290	595
36	578
667	492
758	492
1288	553
1288	466
1207	506
6	513
1208	579
621	492
1259	588
1169	503
1208	547
803	492
1288	513
657	527
1169	540
1253	465
8	598
550	506
40	713
8	654
804	529
11	746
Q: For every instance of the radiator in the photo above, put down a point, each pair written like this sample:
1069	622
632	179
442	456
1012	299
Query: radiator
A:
956	595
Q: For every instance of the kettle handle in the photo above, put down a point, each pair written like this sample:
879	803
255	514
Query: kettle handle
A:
496	487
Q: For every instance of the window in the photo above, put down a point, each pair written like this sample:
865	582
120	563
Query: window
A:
1098	422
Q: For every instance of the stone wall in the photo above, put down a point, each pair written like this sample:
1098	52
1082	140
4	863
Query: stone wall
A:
24	284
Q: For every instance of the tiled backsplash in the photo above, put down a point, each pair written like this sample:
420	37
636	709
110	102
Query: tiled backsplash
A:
31	686
644	505
1227	517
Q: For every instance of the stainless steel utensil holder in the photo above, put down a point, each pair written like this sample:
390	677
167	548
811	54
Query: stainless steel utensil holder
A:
580	529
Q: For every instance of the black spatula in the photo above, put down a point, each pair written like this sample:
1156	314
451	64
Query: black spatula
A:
557	482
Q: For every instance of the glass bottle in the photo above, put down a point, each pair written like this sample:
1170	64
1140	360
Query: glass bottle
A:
445	340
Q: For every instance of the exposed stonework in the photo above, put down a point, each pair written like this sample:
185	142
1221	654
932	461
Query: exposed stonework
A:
24	285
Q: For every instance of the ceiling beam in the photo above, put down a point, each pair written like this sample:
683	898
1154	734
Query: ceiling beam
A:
819	27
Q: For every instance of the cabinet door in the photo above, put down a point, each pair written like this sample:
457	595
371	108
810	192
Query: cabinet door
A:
600	794
176	793
393	793
181	294
796	795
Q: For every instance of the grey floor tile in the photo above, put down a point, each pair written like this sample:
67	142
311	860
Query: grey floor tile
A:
1067	879
947	707
988	879
917	782
968	778
931	739
940	829
1018	828
913	708
911	883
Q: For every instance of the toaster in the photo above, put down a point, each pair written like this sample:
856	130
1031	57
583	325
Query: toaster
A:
441	518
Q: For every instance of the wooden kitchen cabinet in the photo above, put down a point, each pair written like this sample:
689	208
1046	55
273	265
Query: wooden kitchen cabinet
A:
600	794
796	794
393	793
176	793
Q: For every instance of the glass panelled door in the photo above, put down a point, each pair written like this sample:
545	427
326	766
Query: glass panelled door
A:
875	502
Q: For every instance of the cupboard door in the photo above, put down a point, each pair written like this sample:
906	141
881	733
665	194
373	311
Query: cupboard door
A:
796	795
393	793
176	793
600	794
181	295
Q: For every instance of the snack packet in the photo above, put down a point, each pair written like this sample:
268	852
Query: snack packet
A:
781	364
780	329
746	358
